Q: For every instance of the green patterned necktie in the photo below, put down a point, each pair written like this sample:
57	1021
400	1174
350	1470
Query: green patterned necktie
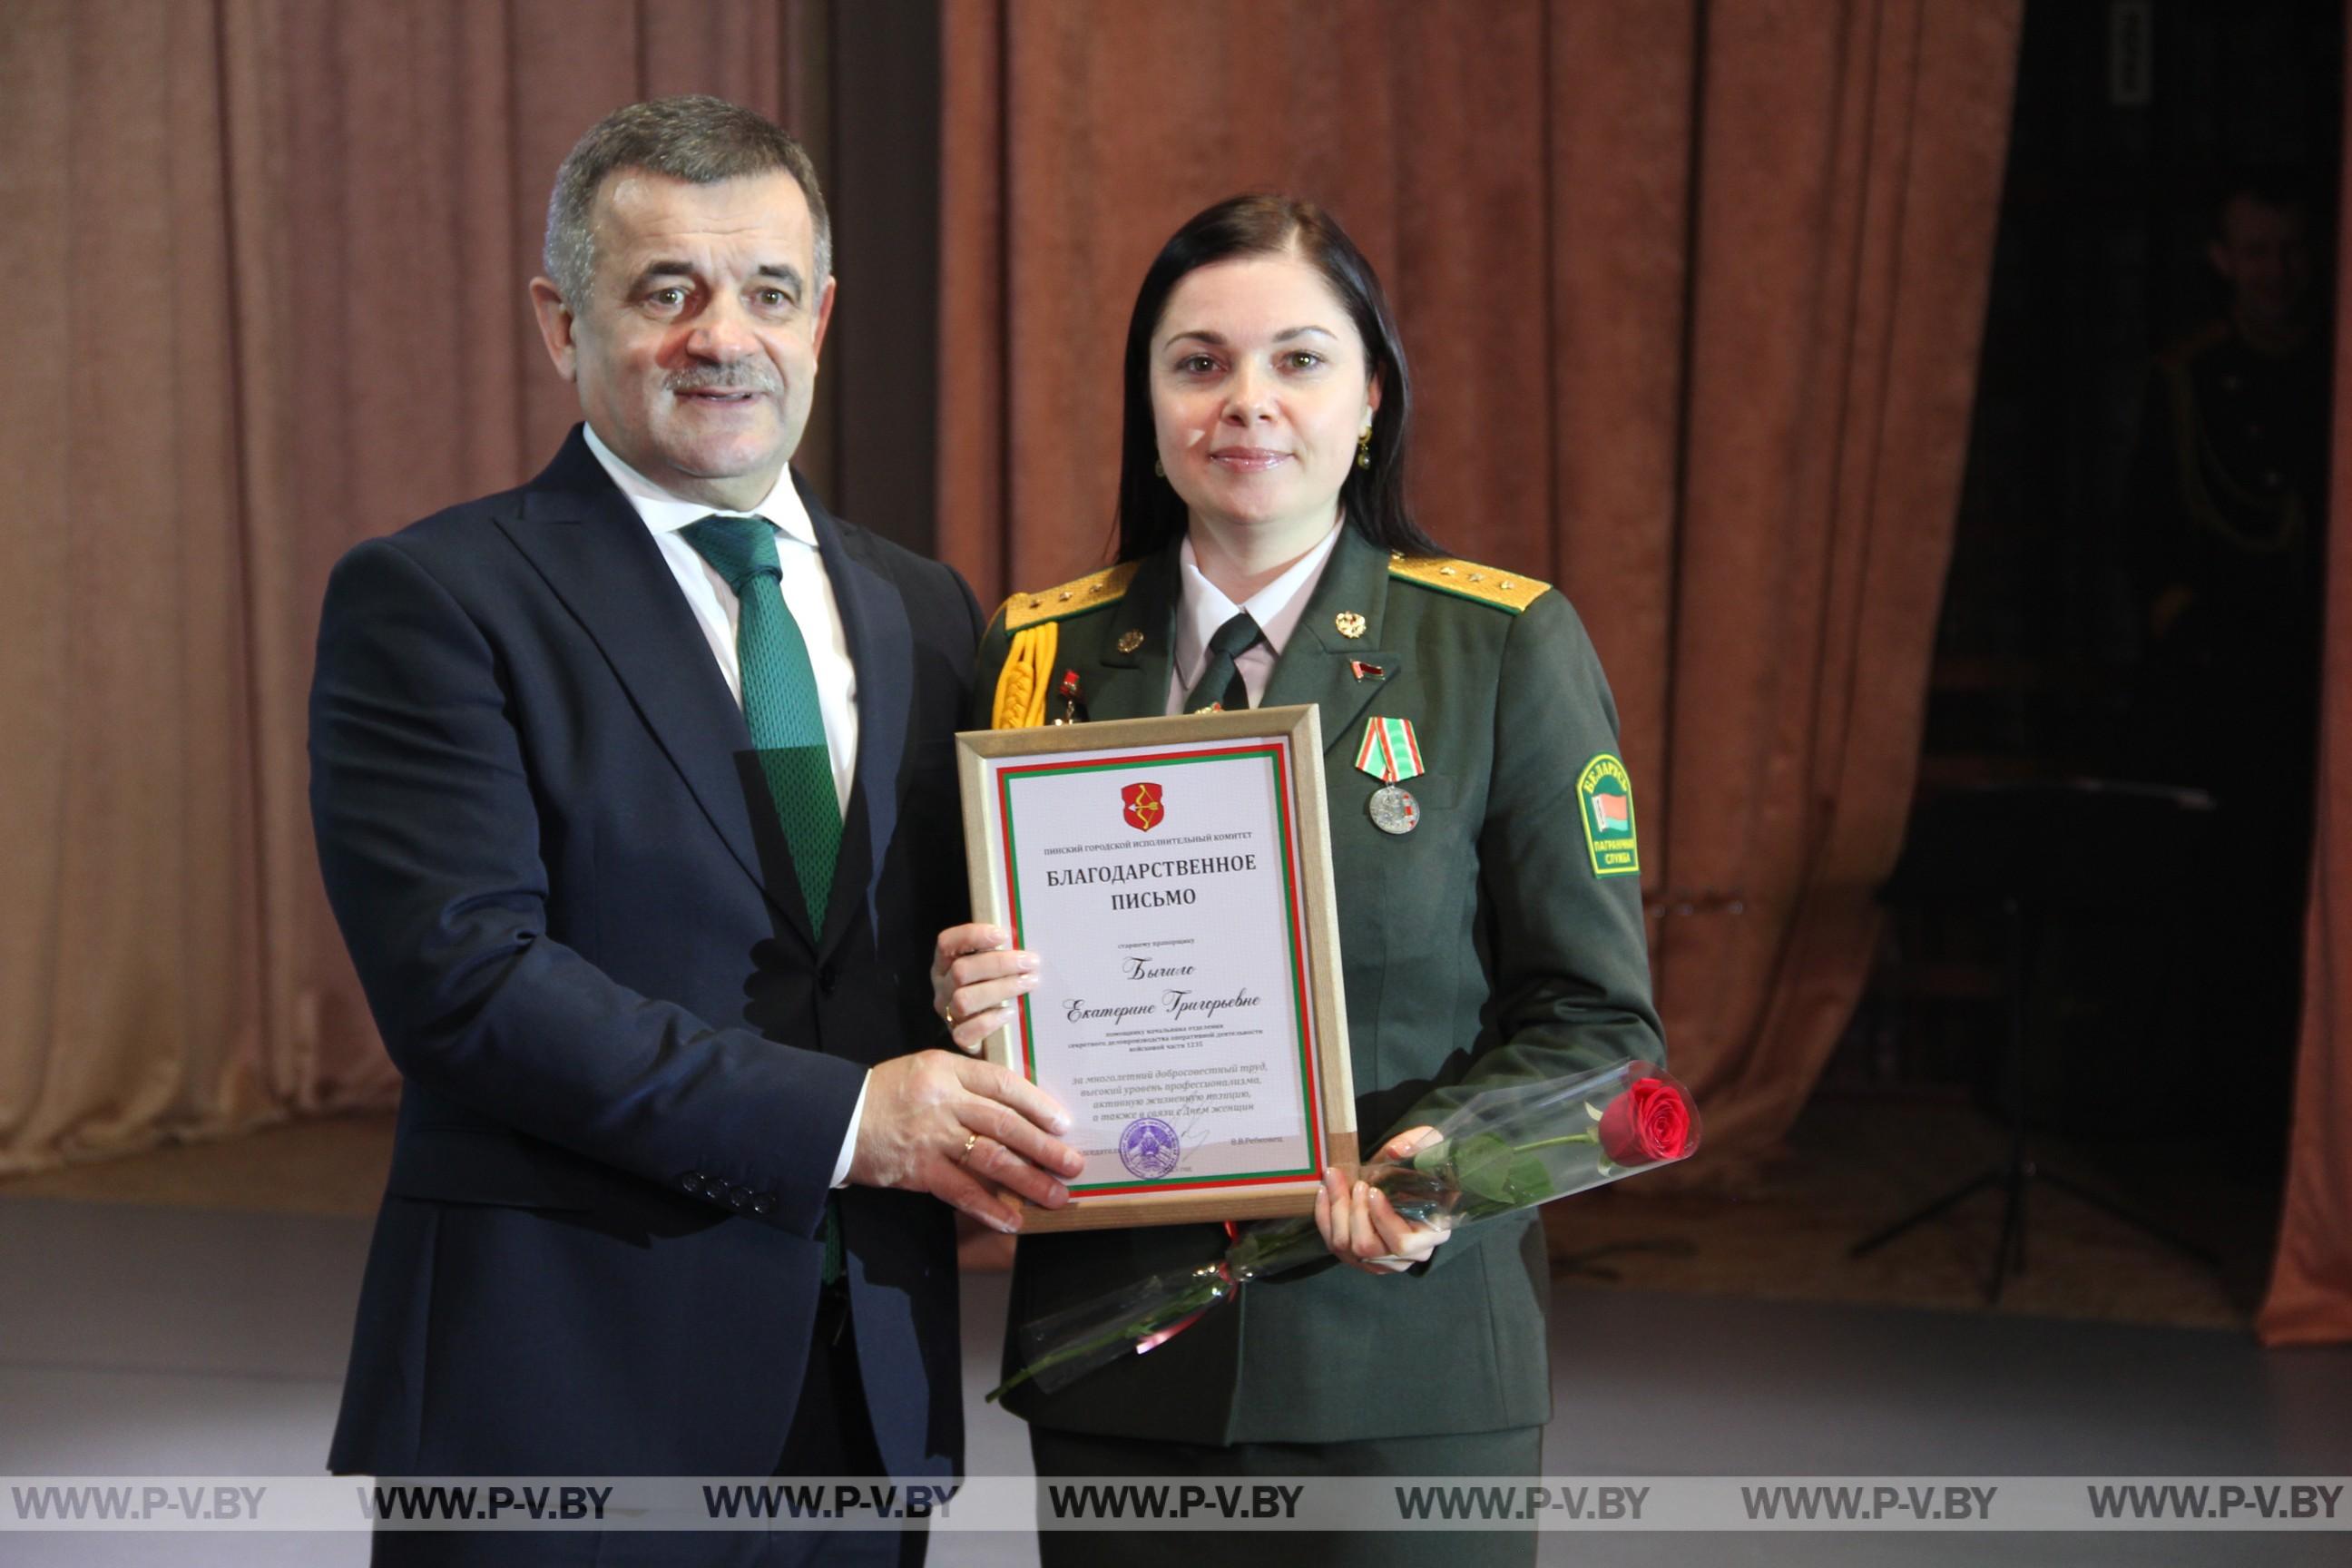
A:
780	702
780	706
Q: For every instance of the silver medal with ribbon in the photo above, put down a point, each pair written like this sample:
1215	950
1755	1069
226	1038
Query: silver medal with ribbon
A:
1391	754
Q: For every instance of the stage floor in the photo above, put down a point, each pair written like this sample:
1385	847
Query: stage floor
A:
145	1339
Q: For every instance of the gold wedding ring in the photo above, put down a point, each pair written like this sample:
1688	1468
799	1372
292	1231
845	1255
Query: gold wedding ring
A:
965	1153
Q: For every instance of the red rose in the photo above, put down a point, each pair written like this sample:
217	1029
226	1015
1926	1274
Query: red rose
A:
1649	1123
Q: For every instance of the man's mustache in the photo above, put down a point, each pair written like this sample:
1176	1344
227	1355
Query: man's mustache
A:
724	378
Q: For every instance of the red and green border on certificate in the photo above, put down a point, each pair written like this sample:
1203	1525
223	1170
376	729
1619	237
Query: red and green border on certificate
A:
1277	755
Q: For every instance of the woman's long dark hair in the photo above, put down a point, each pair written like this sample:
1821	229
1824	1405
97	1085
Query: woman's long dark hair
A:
1151	515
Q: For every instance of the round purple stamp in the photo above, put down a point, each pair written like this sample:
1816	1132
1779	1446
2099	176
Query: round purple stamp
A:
1150	1148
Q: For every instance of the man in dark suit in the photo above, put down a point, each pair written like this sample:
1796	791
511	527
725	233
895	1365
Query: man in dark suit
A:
633	797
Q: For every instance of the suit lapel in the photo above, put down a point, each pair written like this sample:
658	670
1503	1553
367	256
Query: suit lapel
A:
1133	683
592	550
881	648
1319	663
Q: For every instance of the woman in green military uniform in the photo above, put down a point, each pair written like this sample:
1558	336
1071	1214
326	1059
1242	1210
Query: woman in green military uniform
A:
1485	857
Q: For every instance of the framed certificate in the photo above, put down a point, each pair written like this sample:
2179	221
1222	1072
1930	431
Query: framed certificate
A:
1175	877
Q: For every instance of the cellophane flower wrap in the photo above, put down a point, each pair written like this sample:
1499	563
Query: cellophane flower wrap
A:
1503	1148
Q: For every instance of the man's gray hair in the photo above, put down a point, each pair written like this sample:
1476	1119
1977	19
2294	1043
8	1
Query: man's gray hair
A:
693	137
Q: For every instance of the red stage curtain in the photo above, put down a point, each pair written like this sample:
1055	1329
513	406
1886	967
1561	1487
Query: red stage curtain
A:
275	255
2310	1299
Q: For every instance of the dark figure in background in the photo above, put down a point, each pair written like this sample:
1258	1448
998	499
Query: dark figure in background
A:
2228	533
2235	455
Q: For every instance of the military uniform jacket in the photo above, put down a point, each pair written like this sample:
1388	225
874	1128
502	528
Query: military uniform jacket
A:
1481	947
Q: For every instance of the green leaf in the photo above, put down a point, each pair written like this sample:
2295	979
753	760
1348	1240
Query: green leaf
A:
1493	1173
1530	1182
1592	1110
1483	1167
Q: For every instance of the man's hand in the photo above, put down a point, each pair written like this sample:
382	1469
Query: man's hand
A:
967	1133
1361	1227
977	975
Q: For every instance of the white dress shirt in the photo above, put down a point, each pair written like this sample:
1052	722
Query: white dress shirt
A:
1201	607
808	596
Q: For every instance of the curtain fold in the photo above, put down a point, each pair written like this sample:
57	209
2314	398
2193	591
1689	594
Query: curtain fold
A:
278	252
2310	1298
1693	295
132	943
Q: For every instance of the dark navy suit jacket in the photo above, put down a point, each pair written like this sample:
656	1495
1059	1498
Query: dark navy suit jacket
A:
628	1060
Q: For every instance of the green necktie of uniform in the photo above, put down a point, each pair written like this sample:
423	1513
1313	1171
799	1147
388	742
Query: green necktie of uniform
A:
1221	679
780	702
780	706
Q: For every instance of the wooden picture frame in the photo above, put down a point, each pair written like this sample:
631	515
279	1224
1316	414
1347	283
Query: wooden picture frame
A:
1067	839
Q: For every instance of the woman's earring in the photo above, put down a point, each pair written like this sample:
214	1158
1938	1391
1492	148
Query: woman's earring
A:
1364	448
1159	468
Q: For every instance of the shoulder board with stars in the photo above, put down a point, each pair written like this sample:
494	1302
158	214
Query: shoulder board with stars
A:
1090	593
1468	580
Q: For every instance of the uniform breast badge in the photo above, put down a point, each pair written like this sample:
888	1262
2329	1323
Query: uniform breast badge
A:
1074	710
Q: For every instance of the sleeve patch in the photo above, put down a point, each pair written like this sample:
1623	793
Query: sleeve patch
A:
1604	797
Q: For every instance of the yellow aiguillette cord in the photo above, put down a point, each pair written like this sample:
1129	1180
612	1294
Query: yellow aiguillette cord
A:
1020	685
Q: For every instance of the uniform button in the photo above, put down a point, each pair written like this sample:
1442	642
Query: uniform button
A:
826	978
691	1182
739	1198
715	1190
762	1204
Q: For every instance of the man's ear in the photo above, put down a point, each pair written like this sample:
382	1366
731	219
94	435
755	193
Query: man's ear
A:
2217	256
555	326
824	315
